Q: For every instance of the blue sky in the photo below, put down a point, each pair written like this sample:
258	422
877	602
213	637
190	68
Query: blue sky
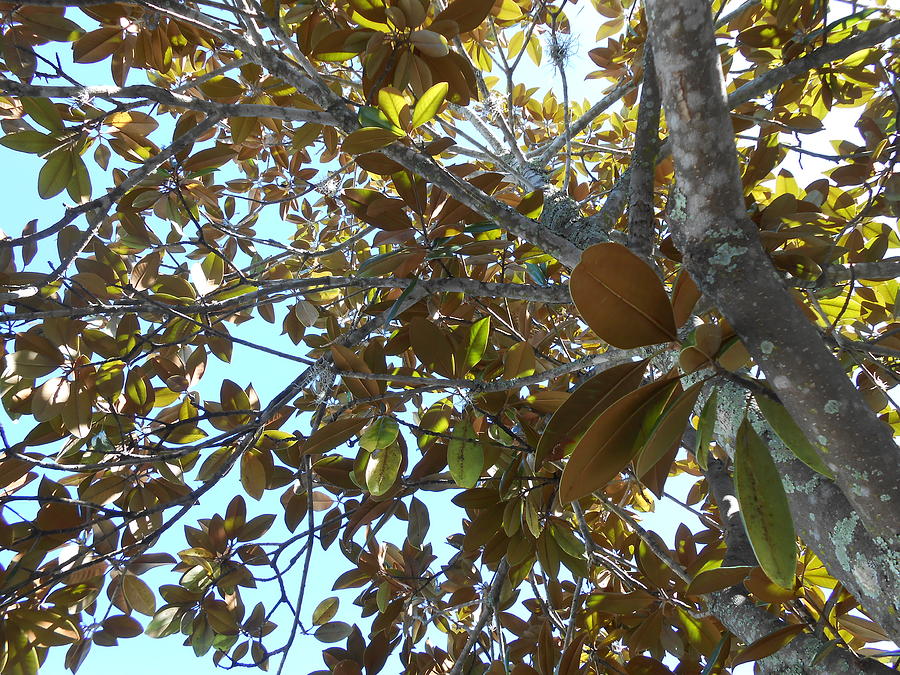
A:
143	655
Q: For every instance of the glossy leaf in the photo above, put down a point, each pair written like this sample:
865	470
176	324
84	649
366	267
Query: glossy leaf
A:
429	103
367	139
608	445
768	645
465	456
667	430
764	507
790	434
621	298
574	417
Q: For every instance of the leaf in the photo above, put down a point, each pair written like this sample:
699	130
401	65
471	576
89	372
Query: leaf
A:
164	622
382	469
55	174
716	579
705	429
429	43
768	645
347	360
668	430
431	346
519	361
791	435
609	443
685	295
465	456
429	103
139	595
418	524
122	626
477	342
332	435
466	14
619	603
33	142
21	656
368	139
325	611
621	298
333	631
380	434
394	105
392	312
572	419
764	506
253	475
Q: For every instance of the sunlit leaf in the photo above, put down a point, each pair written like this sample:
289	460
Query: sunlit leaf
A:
621	298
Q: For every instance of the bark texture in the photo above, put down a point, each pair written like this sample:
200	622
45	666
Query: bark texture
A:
738	614
723	254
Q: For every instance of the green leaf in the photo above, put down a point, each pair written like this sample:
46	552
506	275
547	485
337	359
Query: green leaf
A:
791	435
165	622
21	656
370	117
764	506
392	312
705	428
465	457
380	434
44	112
325	611
668	429
392	103
33	142
333	631
55	174
382	469
429	104
368	139
478	337
536	273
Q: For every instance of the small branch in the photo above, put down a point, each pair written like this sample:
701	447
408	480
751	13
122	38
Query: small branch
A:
643	163
488	607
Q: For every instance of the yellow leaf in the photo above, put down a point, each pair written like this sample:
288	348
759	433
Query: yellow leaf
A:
367	139
429	103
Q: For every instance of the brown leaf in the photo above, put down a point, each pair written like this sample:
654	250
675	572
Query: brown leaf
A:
431	346
467	14
716	579
668	429
621	298
332	435
619	603
768	645
609	443
345	359
585	404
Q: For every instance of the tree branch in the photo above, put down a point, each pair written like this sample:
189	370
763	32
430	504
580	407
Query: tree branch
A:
724	256
643	162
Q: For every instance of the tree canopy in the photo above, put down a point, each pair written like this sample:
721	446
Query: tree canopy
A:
515	316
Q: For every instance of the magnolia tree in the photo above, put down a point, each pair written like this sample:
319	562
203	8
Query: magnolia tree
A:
552	307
